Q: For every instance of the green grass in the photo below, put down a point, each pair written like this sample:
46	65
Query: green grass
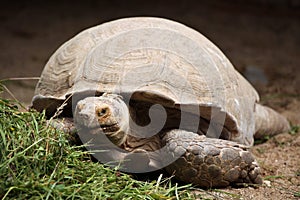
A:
294	129
38	162
273	177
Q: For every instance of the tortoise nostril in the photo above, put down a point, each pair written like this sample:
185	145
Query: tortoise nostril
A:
85	116
82	114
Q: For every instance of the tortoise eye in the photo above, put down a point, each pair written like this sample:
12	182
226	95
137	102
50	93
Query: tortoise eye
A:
101	112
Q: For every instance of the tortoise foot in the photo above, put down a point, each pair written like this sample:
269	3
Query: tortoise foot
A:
136	162
210	162
67	126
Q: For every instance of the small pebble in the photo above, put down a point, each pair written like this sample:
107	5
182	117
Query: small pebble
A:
267	183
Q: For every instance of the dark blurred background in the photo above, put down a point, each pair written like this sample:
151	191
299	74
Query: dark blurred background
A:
260	37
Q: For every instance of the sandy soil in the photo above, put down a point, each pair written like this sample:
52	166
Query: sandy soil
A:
263	42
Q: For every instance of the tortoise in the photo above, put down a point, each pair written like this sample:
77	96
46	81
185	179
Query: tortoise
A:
148	93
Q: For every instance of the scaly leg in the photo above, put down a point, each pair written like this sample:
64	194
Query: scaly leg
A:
210	162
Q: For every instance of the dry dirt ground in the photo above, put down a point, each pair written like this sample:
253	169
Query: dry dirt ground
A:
261	40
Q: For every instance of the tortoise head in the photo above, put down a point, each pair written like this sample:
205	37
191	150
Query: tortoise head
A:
106	114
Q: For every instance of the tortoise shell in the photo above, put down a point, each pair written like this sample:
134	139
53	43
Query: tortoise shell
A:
152	60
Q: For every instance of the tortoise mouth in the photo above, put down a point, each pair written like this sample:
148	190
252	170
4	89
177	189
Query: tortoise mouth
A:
113	132
105	128
109	128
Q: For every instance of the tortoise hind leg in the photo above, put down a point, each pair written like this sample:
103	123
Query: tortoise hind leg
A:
210	162
268	122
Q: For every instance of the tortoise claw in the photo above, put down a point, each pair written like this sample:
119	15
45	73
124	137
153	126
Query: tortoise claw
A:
136	161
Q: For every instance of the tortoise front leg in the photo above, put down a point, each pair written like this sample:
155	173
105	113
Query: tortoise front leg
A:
210	162
67	126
